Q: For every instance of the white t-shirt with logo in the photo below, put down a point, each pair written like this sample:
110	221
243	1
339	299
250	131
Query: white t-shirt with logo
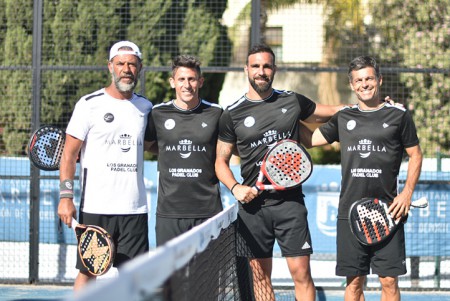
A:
112	131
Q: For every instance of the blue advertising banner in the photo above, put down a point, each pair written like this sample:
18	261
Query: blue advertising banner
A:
427	229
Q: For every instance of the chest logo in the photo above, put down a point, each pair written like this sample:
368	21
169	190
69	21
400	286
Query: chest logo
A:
249	121
270	138
169	124
351	124
365	147
125	141
185	147
108	117
204	125
283	110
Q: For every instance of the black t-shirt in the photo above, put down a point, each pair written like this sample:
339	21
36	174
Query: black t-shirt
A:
256	125
188	186
372	147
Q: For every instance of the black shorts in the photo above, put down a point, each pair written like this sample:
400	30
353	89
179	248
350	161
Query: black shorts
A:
354	259
167	228
259	226
129	233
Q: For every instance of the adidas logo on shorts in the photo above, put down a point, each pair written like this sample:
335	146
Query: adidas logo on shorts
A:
306	246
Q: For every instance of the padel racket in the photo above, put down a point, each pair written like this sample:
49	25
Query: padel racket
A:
370	221
286	165
46	147
95	246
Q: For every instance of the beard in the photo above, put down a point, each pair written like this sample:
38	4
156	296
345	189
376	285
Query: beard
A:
123	87
262	88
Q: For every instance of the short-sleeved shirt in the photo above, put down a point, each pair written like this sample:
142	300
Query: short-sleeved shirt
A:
372	146
256	125
112	153
188	185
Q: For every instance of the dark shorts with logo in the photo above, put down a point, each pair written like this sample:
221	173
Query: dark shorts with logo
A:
259	226
168	228
129	233
387	259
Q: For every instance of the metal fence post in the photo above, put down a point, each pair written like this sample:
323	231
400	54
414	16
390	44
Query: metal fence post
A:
33	275
437	259
255	31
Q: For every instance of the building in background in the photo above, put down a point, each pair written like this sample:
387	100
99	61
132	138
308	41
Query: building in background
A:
294	47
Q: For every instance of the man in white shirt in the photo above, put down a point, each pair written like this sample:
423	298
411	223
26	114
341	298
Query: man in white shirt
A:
106	131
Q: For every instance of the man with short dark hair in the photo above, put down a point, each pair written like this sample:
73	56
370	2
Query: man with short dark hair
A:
373	136
185	130
253	124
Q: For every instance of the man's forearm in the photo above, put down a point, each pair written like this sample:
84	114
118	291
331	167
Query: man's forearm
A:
323	113
224	152
414	169
225	175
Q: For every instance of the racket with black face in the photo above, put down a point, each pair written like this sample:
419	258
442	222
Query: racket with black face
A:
286	165
371	222
95	246
46	146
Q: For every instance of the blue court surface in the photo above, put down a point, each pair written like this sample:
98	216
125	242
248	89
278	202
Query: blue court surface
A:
338	295
53	293
34	292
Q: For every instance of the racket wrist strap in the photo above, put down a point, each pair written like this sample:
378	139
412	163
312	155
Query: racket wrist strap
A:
232	187
66	189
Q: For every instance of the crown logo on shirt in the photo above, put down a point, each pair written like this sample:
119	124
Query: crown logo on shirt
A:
270	133
185	142
125	136
365	141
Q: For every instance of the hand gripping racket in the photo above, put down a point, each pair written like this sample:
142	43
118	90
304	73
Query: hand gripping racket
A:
46	146
370	221
286	165
95	246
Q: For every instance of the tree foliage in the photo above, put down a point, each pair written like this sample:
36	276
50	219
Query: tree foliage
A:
418	36
400	34
16	85
78	34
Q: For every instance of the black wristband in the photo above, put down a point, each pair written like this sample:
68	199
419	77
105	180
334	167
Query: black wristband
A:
232	187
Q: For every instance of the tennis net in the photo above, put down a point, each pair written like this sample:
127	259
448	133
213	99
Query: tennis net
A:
201	264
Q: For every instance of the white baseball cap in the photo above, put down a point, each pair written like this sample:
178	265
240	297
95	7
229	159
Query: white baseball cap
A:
115	49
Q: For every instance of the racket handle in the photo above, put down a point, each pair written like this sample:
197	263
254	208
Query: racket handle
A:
74	223
259	186
256	189
420	203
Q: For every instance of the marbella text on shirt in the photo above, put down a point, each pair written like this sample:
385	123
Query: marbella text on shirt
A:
270	137
366	145
185	148
185	145
124	142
